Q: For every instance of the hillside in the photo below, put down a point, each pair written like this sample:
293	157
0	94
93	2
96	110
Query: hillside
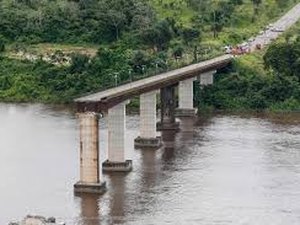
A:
53	51
267	80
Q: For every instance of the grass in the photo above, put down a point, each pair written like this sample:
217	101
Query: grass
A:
247	62
292	34
241	25
178	10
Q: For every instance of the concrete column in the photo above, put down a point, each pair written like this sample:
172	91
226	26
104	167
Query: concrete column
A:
148	138
89	155
116	140
186	98
116	133
186	94
207	78
168	105
148	115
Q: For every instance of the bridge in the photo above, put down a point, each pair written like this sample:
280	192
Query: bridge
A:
112	103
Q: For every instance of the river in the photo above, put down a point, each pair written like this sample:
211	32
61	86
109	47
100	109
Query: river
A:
227	169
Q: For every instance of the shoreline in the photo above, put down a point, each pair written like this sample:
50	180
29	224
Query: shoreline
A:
134	110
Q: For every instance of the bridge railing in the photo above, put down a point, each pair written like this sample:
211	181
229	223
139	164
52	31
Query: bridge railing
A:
150	73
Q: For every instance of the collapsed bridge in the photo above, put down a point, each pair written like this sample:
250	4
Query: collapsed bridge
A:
112	102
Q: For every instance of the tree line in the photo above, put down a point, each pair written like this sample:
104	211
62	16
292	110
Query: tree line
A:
106	21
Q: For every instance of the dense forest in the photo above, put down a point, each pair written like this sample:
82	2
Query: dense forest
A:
135	21
137	38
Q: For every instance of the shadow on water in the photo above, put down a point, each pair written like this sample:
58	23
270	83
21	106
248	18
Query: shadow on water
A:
187	132
187	125
150	169
176	143
168	138
117	186
90	211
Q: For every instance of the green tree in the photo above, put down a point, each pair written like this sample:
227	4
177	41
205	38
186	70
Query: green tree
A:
178	51
2	46
117	21
256	4
192	37
284	59
158	36
79	63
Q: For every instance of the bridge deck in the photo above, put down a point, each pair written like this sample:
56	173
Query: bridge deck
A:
113	96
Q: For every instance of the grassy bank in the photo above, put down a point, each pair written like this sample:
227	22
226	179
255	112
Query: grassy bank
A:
268	80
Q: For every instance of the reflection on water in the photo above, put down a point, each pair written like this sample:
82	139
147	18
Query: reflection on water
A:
117	201
222	169
89	209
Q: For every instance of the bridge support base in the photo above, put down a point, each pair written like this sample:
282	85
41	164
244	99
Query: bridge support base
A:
185	112
140	142
94	188
168	126
109	166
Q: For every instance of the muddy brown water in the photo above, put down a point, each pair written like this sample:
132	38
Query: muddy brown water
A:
219	170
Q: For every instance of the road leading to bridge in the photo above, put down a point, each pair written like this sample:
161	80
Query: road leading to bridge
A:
284	23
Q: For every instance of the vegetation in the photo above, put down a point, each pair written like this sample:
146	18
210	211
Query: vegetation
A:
55	50
263	81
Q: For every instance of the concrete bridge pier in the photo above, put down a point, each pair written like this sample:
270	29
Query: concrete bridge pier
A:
207	78
90	181
186	99
148	138
116	161
168	105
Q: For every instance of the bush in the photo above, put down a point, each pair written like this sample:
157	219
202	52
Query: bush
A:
2	46
290	104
